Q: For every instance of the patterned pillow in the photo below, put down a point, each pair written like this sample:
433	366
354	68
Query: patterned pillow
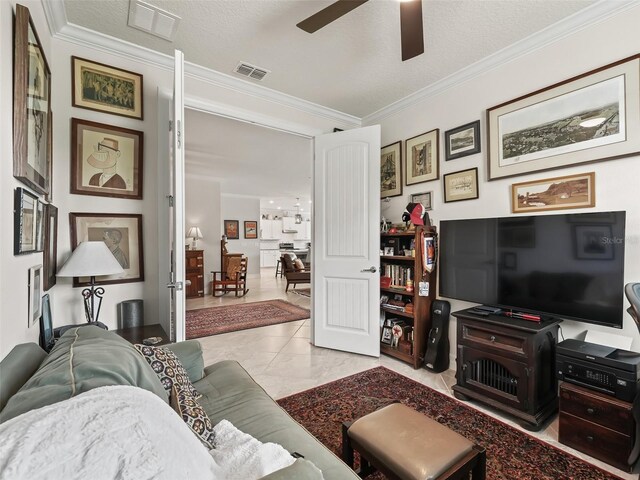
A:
168	368
298	264
194	416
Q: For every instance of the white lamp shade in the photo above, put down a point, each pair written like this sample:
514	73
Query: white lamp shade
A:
195	233
90	259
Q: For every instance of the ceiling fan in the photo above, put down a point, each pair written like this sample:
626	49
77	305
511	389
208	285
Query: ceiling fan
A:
410	23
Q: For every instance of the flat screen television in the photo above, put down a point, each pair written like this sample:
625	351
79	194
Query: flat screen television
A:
565	266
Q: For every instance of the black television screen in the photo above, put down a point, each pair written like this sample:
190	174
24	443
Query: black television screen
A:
568	266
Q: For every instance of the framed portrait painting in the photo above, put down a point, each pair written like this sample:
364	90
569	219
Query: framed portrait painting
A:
422	157
31	106
100	87
594	116
250	230
121	232
106	160
232	229
391	170
462	185
462	141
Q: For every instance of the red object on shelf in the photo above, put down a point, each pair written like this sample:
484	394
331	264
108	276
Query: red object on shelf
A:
385	282
524	316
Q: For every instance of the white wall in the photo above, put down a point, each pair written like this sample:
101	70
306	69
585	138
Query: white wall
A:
616	180
202	209
241	208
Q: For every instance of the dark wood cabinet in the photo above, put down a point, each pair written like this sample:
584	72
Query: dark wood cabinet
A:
508	364
194	273
417	320
598	425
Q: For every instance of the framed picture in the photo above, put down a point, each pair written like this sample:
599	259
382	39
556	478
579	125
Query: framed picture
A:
50	246
593	242
96	86
250	230
423	157
462	185
28	220
570	191
31	106
34	288
122	233
391	170
232	229
594	116
386	335
462	141
105	160
423	198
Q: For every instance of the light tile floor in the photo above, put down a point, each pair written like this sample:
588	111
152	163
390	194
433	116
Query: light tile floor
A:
282	359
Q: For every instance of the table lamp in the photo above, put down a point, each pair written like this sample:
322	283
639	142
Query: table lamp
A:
91	259
195	234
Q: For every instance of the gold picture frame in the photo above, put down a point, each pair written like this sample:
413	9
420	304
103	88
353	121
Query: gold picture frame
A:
461	185
100	87
557	193
423	157
391	170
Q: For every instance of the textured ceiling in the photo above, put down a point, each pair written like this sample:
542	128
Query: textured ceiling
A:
353	65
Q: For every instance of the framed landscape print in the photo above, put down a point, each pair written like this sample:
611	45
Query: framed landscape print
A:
462	141
391	170
31	106
591	117
571	191
121	232
423	157
28	219
100	87
232	229
462	185
423	198
250	230
106	160
50	246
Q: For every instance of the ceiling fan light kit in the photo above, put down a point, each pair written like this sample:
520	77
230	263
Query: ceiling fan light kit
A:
411	32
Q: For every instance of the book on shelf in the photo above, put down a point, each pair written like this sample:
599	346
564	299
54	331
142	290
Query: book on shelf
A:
399	274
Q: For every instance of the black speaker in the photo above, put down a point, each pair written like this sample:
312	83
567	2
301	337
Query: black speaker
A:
437	357
130	314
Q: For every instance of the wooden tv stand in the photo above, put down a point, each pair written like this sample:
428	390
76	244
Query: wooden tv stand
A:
508	364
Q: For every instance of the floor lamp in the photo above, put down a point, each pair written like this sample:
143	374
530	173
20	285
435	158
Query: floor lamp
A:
91	259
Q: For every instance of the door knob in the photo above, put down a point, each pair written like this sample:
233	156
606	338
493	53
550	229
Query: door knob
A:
370	269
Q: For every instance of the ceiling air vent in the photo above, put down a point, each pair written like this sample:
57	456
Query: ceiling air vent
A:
153	20
251	71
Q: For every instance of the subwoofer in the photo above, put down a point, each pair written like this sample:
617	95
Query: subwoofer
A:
437	357
130	314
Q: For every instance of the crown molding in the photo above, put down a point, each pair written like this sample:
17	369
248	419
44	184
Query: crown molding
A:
594	14
61	29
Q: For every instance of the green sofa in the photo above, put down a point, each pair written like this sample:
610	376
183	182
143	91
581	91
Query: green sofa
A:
89	357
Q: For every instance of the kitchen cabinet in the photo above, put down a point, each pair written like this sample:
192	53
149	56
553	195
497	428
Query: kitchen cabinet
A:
289	224
269	258
304	231
270	229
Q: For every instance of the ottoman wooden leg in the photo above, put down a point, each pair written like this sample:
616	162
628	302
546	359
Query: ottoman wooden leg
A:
479	471
347	449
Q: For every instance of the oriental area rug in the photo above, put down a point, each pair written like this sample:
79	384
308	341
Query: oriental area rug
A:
230	318
511	454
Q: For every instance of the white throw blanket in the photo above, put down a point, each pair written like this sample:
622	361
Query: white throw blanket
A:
123	432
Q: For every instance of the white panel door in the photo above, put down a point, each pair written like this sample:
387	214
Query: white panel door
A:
345	281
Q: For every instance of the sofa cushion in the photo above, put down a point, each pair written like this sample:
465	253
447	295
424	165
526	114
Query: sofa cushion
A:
16	368
193	415
229	392
189	353
83	359
168	368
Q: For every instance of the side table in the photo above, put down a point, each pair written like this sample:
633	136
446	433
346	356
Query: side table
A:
137	334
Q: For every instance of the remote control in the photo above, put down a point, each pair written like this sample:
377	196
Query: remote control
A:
152	340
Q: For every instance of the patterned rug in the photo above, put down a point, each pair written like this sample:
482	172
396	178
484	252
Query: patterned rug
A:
511	454
231	318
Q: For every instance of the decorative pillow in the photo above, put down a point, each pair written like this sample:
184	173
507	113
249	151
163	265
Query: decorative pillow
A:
193	415
168	368
298	263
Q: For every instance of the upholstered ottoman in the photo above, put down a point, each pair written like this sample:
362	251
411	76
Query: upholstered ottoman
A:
406	445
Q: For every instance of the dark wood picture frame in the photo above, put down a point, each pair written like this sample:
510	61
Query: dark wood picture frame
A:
50	261
28	219
132	250
250	224
232	229
429	144
448	183
395	149
89	90
31	106
464	149
122	145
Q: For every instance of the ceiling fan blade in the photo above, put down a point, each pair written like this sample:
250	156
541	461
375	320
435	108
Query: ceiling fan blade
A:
411	29
327	15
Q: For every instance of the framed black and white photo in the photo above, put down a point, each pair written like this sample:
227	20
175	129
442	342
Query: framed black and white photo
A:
425	198
462	185
594	116
391	170
28	220
50	260
422	153
34	288
462	141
